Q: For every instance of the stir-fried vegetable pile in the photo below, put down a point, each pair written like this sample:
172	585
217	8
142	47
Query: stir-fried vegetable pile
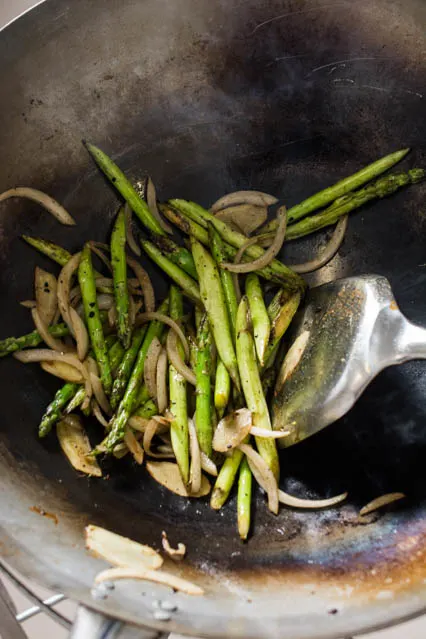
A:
182	382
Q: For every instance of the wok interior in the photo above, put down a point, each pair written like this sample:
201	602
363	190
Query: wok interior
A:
208	100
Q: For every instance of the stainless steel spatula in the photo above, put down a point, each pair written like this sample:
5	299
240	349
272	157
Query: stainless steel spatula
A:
349	330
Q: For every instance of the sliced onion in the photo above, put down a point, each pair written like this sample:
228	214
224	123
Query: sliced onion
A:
64	287
263	475
81	334
99	393
45	286
166	450
151	200
177	554
150	367
268	434
293	356
381	501
157	576
168	475
134	446
138	423
232	429
105	301
150	431
63	371
268	255
98	249
112	316
161	381
309	504
256	198
133	245
51	205
54	343
160	317
177	361
46	355
195	470
246	218
145	284
328	252
28	303
208	465
76	445
120	551
98	414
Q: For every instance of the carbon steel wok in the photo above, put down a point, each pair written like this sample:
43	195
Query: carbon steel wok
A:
284	96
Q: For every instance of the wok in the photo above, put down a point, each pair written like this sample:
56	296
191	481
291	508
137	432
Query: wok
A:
210	97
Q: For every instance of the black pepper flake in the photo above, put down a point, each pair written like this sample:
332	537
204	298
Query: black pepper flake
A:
91	314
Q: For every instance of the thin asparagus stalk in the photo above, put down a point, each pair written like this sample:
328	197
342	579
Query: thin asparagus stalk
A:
244	499
214	302
54	410
56	253
178	400
93	319
130	397
143	396
147	410
179	255
259	315
380	188
116	354
126	366
30	340
220	255
203	408
76	401
281	312
222	388
125	188
182	279
347	185
119	273
225	479
203	217
252	386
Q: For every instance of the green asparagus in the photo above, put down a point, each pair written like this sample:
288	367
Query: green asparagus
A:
93	319
203	407
54	410
225	479
30	340
259	316
119	272
281	312
179	255
220	255
222	388
56	253
244	499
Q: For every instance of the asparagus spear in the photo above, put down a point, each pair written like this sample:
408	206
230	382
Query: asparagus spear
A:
128	403
196	213
348	184
54	410
119	273
203	408
214	302
31	340
182	279
225	479
93	319
252	386
179	255
220	255
147	410
125	188
259	315
281	312
178	401
244	499
125	367
56	253
222	388
380	188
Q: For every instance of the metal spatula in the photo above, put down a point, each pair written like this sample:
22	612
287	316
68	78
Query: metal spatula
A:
352	329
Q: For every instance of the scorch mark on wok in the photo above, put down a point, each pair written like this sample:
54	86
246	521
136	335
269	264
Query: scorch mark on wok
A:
294	13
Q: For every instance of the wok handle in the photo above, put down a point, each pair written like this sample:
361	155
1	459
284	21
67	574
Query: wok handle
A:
95	625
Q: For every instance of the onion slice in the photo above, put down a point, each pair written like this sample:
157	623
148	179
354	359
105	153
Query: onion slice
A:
195	470
309	504
160	317
51	205
120	551
134	446
151	200
150	367
63	371
175	553
255	198
45	286
161	381
268	255
263	475
381	501
28	303
98	414
80	332
246	218
176	360
76	446
157	576
232	429
133	245
98	249
64	288
145	283
268	434
328	252
168	475
208	465
138	423
54	343
150	431
293	357
99	393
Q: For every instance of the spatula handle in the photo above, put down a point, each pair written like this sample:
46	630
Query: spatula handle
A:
95	625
